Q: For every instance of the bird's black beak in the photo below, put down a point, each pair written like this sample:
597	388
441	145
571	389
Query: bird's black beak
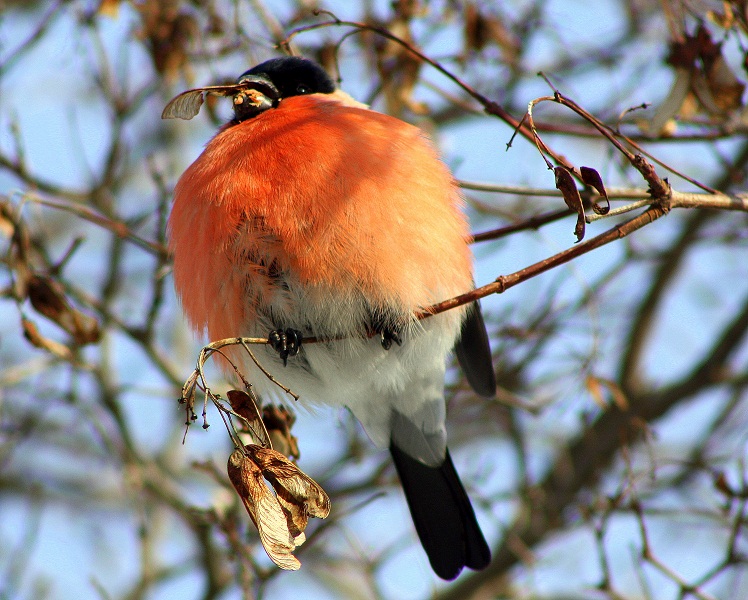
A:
257	95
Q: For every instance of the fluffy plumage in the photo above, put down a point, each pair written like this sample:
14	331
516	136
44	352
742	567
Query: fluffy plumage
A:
332	219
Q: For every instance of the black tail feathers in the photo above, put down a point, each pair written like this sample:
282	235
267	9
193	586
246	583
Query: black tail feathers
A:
442	514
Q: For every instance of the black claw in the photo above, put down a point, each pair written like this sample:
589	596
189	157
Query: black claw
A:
286	342
387	324
389	335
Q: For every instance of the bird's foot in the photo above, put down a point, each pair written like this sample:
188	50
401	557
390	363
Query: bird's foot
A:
388	335
286	342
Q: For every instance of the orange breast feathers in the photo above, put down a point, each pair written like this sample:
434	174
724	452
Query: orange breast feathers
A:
347	201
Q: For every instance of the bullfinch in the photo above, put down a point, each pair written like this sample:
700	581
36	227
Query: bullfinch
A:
310	216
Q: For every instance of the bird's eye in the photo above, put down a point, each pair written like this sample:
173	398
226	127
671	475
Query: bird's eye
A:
303	89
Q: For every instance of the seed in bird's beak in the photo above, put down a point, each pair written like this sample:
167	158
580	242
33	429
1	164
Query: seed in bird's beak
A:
253	98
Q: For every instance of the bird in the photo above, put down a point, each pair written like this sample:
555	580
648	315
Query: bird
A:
310	215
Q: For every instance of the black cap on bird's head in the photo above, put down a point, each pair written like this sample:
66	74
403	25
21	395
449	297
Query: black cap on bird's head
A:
281	78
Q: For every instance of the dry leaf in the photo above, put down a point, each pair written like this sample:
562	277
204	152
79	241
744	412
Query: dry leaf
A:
272	429
264	509
565	183
726	20
619	398
187	104
184	106
168	31
280	517
724	88
482	27
247	406
596	385
292	482
399	70
474	32
109	8
673	103
592	178
596	391
278	421
31	333
702	73
48	298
